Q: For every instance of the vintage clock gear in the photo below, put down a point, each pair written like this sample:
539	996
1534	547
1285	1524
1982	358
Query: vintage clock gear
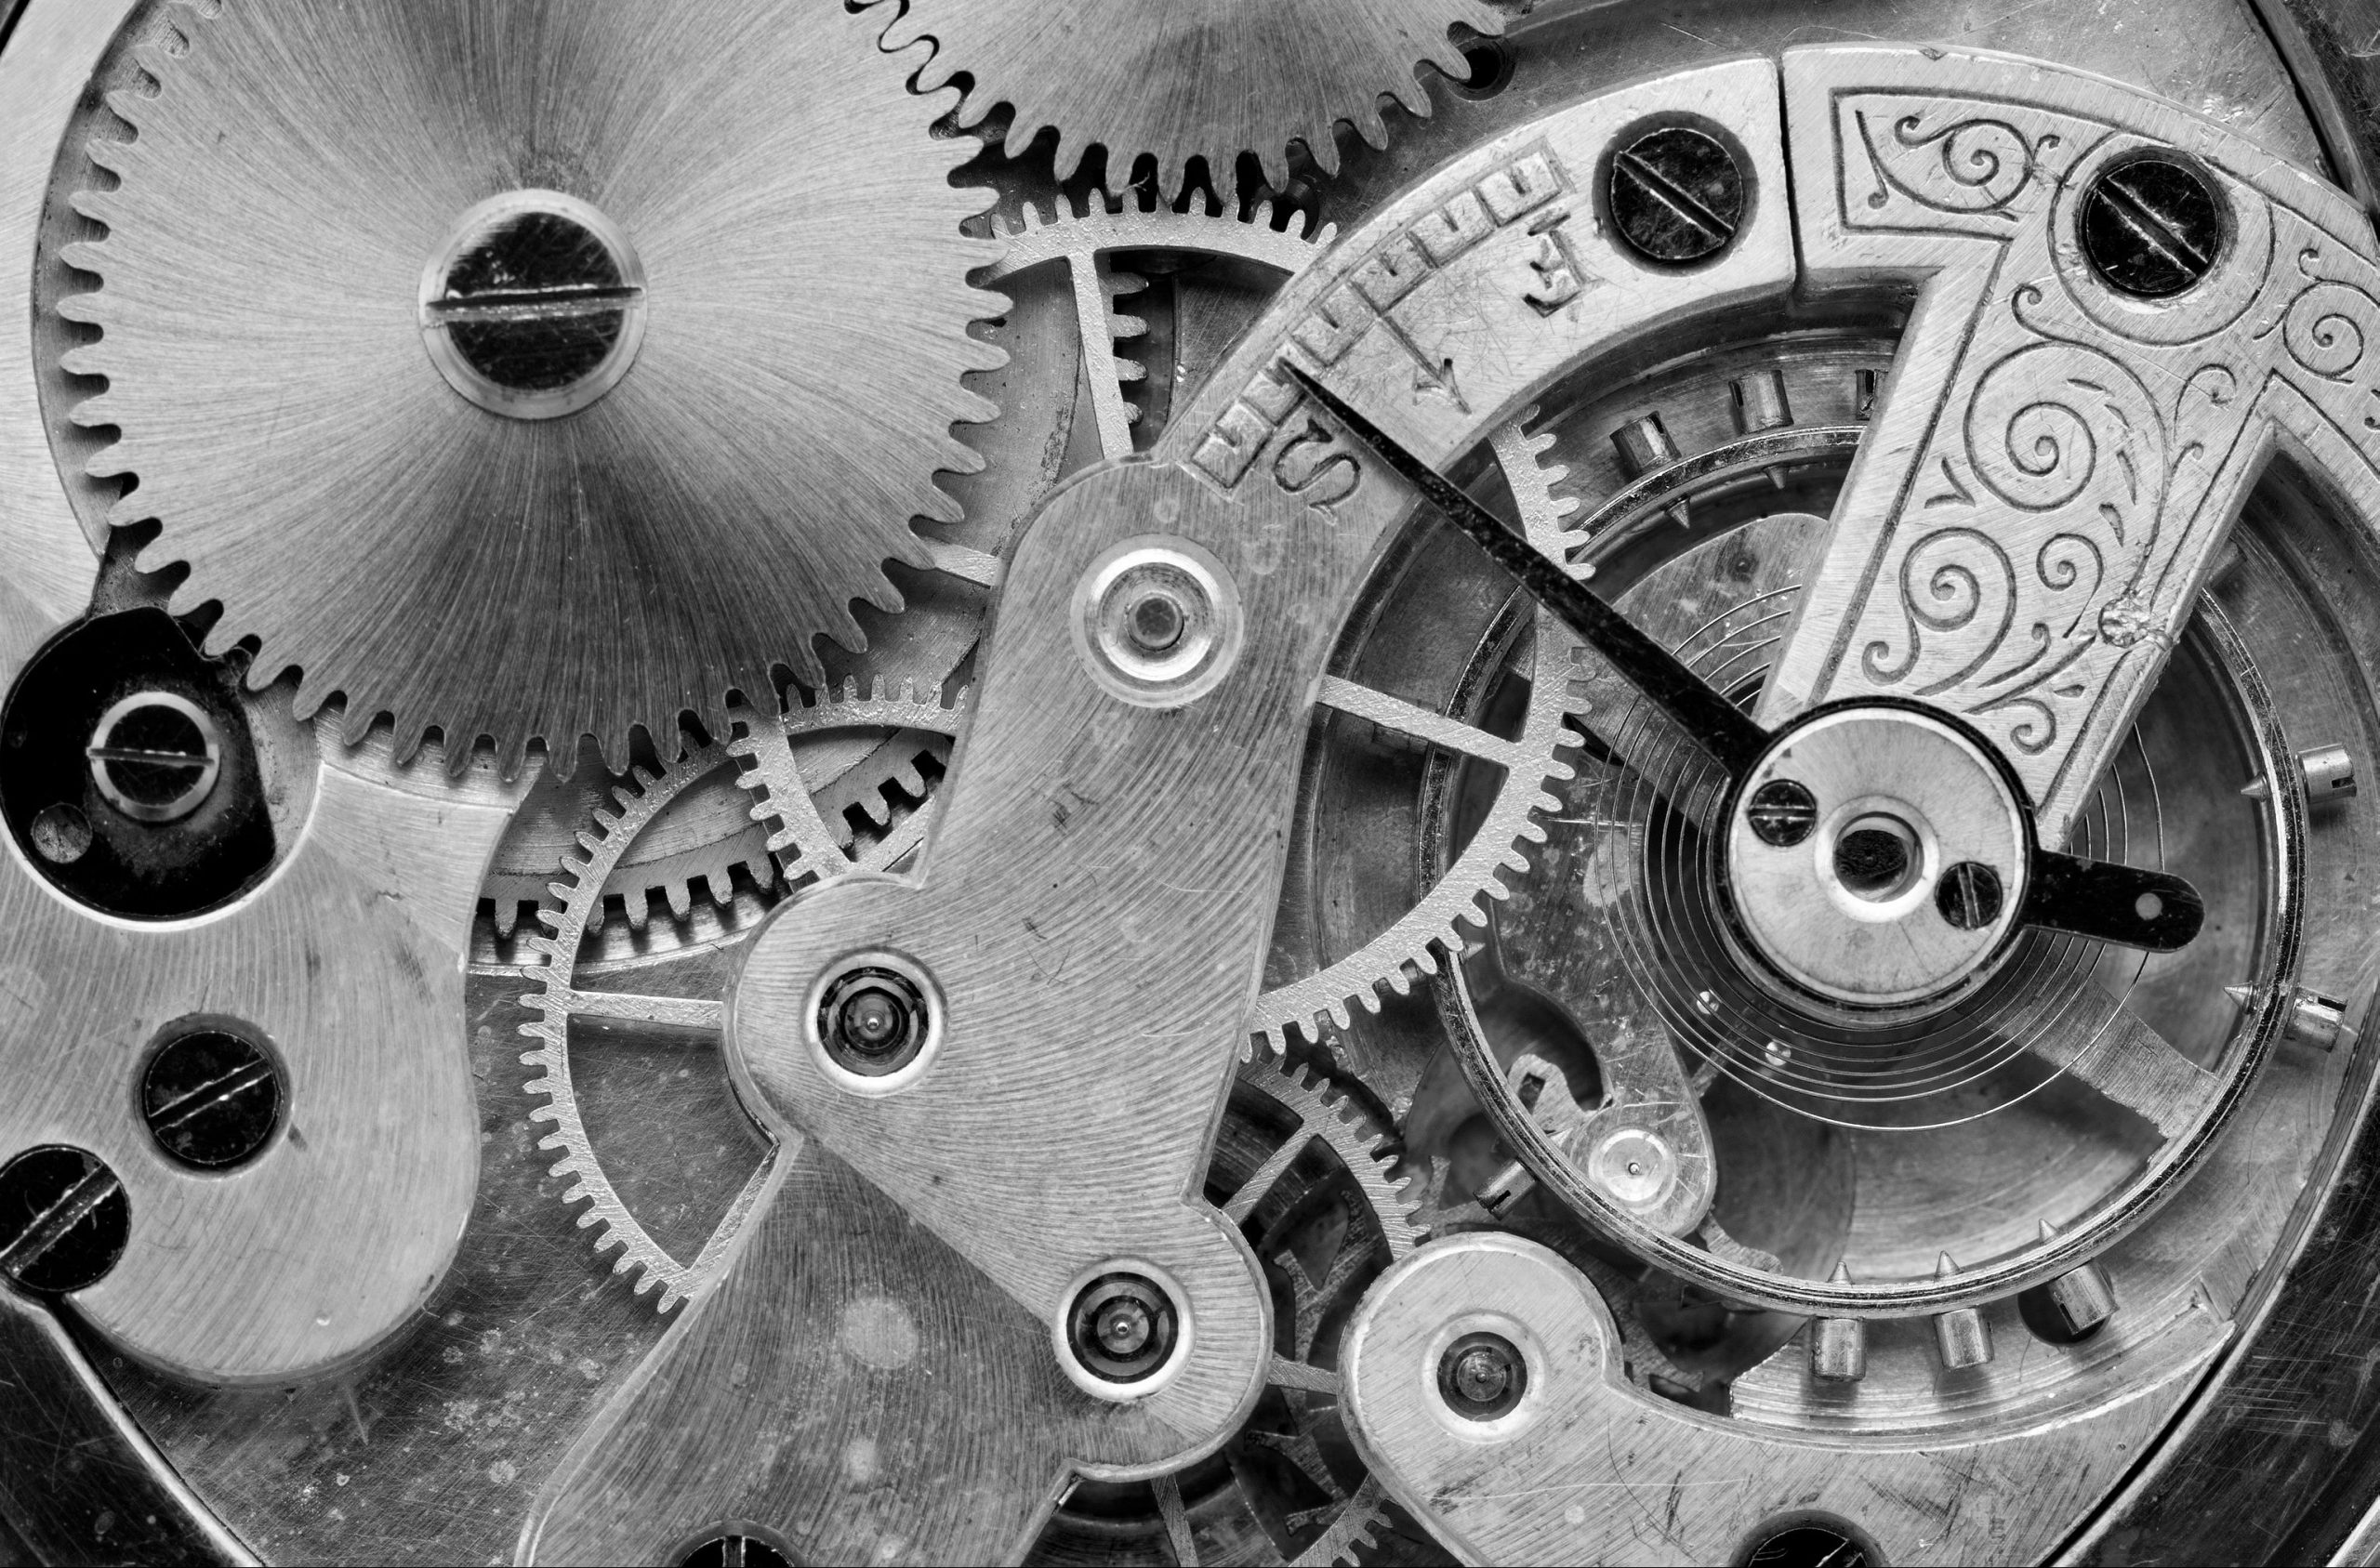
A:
1336	781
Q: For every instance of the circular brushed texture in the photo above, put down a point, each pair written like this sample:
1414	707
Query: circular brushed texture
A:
806	328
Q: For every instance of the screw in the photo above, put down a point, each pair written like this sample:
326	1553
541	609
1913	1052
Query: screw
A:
536	304
873	1020
1676	196
1969	895
1482	1376
2151	226
156	756
1122	1326
211	1098
63	1219
1782	812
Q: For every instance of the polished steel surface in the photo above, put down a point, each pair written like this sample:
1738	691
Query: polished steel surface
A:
1414	781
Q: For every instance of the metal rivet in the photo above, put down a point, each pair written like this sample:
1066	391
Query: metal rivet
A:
1961	1335
1677	195
211	1098
2151	226
1482	1376
2327	773
1839	1346
63	1219
2311	1018
1759	402
2082	1296
1506	1188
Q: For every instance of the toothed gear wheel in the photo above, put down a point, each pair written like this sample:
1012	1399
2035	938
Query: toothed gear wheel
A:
1084	236
794	256
815	842
1204	79
1281	1113
868	766
809	849
1451	915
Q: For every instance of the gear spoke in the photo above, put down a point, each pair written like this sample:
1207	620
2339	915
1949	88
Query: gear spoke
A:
1406	719
1716	725
678	1012
2099	1040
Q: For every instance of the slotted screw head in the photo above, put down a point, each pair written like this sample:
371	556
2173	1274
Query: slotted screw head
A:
1969	896
63	1219
2152	226
1782	812
211	1099
1676	196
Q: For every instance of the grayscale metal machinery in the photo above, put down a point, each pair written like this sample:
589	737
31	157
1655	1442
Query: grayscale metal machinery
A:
1378	782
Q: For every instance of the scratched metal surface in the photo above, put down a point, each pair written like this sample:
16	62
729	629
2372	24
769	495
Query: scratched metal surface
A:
491	1385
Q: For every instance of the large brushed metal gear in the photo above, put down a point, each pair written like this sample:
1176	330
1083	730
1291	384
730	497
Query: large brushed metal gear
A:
795	262
1192	79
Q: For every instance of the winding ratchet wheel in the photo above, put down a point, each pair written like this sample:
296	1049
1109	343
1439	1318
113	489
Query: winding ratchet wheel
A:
1352	781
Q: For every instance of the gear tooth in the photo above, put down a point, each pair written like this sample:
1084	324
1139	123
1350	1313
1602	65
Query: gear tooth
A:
130	106
92	307
681	897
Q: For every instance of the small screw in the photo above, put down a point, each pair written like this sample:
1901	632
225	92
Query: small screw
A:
2151	226
63	1219
156	756
211	1099
1677	195
1782	812
1969	895
1123	1326
1482	1376
536	305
